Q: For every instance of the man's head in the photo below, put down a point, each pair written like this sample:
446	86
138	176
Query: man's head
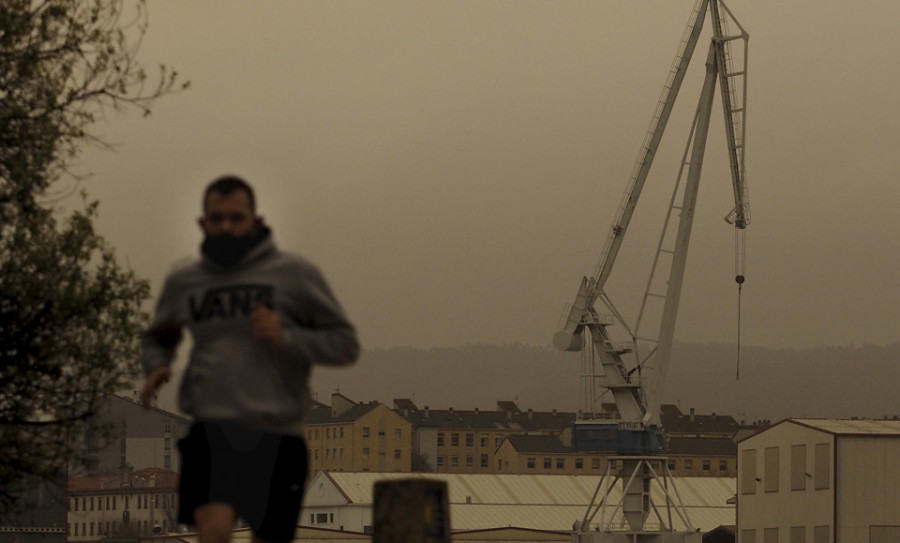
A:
230	224
229	208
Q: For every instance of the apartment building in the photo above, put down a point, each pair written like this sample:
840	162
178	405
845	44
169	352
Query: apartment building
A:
453	441
136	503
125	433
350	436
545	455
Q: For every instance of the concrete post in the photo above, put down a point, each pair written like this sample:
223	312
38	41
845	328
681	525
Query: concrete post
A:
411	510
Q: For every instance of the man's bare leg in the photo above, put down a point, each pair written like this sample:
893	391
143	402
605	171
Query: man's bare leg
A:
215	522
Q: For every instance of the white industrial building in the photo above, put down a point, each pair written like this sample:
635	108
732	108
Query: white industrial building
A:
820	481
343	500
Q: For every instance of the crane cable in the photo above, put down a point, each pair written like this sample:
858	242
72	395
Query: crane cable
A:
739	261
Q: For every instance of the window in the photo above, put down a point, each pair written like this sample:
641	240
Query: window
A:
440	460
321	518
595	463
707	465
76	528
748	536
328	433
484	461
823	466
770	475
548	463
498	440
454	440
92	505
821	534
167	461
470	461
798	468
484	440
470	440
440	439
688	464
560	463
167	444
454	460
397	454
74	504
398	433
365	452
770	535
365	431
530	462
748	471
579	463
168	427
798	534
671	464
723	466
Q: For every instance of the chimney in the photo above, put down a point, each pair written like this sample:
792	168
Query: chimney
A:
692	414
127	475
476	410
426	411
530	414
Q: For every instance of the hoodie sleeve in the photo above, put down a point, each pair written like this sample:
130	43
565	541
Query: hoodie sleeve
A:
163	335
319	332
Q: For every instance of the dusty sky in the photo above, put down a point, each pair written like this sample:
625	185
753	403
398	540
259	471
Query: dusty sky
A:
454	167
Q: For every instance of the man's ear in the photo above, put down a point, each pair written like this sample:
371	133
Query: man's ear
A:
259	221
201	221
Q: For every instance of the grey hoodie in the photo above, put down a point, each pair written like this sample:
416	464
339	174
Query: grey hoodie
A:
232	376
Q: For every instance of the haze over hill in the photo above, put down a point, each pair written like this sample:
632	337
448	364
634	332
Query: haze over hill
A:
774	383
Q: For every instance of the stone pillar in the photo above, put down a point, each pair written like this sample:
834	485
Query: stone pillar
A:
412	510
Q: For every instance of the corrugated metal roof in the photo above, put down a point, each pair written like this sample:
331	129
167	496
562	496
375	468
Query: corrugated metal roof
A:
545	502
853	426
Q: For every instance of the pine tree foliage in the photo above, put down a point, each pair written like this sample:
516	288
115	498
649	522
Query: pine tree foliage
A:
69	312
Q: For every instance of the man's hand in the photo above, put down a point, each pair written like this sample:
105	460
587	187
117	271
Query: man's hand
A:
266	325
153	382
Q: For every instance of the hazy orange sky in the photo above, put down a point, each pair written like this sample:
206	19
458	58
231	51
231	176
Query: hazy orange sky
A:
454	167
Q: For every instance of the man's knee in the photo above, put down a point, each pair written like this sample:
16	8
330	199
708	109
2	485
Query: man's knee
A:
215	523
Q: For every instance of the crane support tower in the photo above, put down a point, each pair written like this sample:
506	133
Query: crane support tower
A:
634	371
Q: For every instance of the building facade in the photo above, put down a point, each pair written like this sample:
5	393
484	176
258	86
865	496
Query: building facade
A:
139	503
133	435
820	481
348	436
453	441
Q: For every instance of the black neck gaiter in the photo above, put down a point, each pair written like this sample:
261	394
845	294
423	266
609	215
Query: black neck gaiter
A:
227	250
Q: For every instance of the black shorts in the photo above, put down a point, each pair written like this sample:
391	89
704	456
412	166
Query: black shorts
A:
260	475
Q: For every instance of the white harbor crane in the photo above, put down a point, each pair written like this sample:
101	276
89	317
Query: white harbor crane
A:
634	371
